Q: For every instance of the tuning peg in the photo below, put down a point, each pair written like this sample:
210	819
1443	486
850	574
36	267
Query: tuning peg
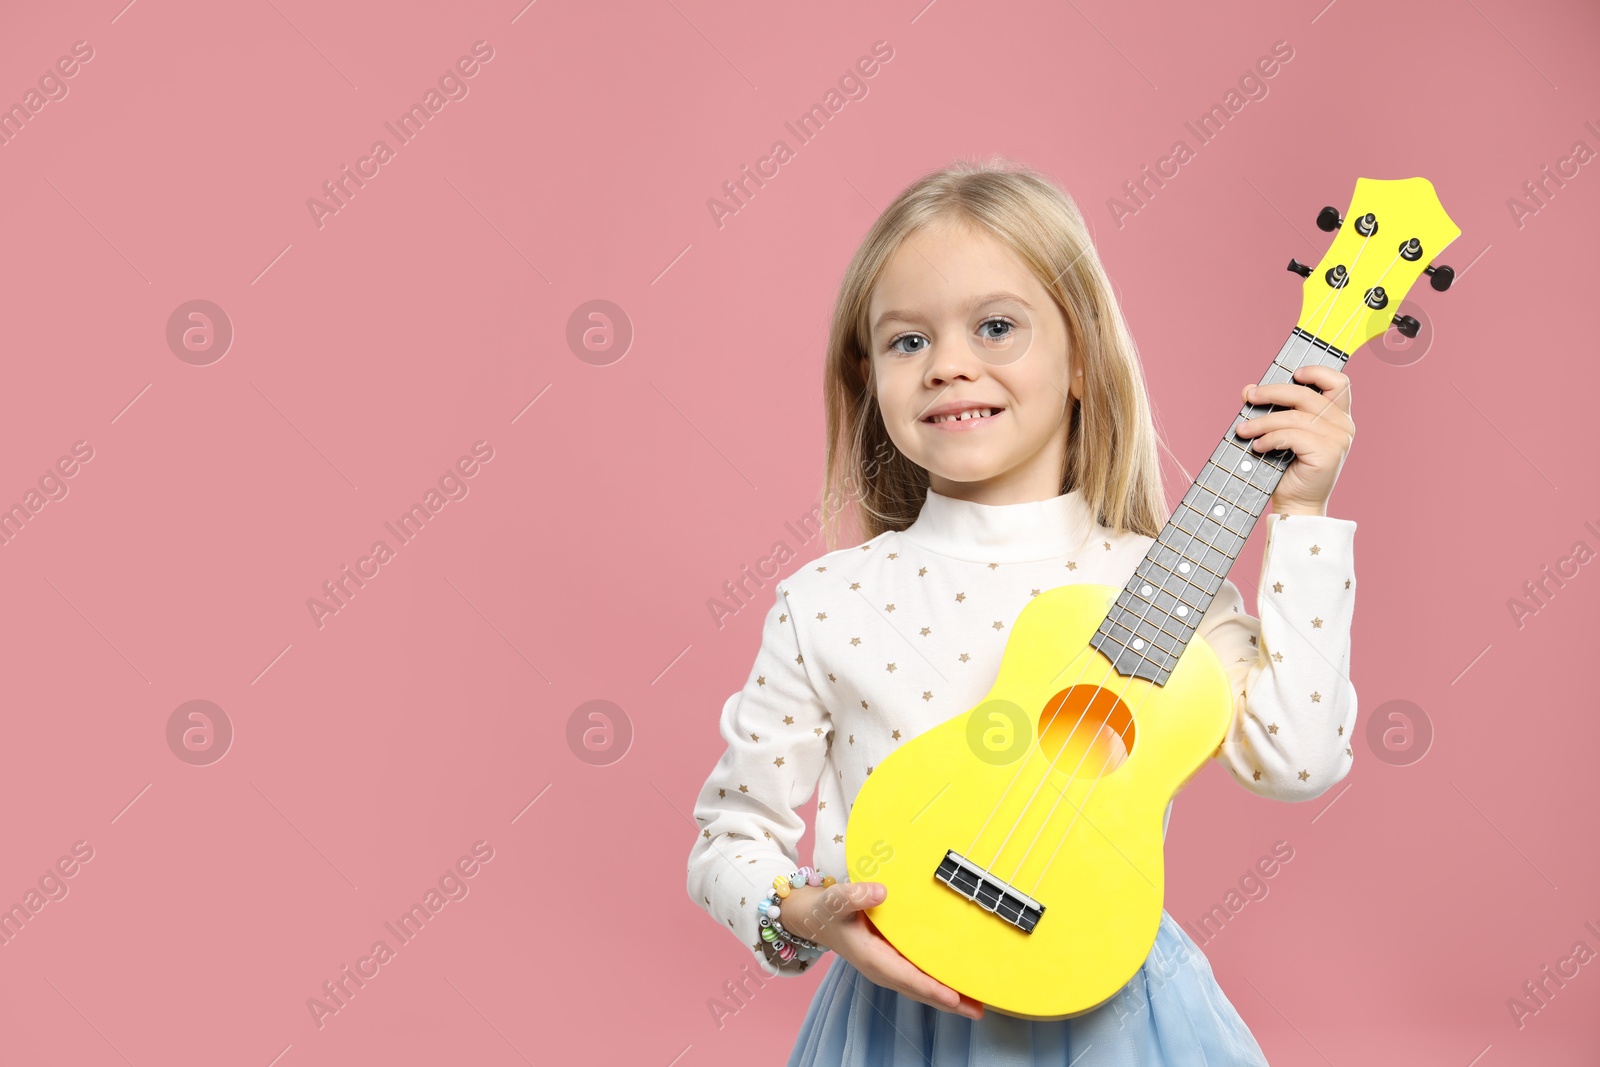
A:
1300	268
1440	277
1328	219
1407	325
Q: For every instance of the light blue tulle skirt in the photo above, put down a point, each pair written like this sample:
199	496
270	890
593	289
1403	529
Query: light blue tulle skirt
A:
1172	1013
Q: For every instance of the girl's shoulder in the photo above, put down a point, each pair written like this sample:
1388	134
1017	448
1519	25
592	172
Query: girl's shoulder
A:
843	564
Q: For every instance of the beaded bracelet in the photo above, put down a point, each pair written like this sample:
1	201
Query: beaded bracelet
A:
785	944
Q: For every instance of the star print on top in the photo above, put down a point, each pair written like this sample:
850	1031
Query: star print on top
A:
864	648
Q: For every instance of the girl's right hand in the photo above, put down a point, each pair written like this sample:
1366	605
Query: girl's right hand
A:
832	917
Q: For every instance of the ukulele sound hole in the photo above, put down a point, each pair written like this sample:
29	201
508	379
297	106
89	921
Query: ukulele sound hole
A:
1086	731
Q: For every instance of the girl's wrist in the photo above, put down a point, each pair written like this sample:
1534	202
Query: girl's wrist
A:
788	894
799	913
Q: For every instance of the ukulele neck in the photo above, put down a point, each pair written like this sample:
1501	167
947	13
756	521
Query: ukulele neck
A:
1160	608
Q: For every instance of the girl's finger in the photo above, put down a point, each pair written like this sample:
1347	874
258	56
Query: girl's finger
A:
1334	384
1310	436
1304	444
885	966
954	1002
1276	439
1335	426
1298	398
937	996
913	979
858	896
910	978
896	971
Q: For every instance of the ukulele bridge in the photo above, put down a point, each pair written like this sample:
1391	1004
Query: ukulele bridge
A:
988	892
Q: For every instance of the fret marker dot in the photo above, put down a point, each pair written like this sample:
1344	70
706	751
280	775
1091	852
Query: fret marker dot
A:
1182	610
1137	644
1218	510
1183	568
1245	465
1145	590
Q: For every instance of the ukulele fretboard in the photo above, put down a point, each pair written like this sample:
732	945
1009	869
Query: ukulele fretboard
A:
1160	608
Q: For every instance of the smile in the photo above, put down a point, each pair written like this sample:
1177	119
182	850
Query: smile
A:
965	420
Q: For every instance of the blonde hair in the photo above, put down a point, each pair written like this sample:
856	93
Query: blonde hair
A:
1111	444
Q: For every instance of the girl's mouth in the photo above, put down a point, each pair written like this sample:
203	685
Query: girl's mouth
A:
965	421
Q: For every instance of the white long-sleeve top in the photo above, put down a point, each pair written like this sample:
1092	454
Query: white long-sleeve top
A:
864	648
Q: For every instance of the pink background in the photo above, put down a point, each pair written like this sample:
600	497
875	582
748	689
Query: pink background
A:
432	711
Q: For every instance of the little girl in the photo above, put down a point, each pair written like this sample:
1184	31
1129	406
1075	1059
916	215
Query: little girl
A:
977	355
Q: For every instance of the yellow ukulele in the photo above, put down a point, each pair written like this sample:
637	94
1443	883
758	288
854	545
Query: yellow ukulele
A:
1025	834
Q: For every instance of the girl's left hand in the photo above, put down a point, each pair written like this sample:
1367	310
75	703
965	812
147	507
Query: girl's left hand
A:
1316	427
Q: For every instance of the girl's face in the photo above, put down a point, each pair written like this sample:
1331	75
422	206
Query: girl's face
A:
958	321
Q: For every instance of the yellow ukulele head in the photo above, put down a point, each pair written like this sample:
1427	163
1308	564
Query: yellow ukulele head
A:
1387	239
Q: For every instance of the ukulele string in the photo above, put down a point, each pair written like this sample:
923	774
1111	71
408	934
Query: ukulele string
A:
1184	553
1330	299
1353	263
1349	323
1332	296
1081	716
1111	752
1099	691
1023	762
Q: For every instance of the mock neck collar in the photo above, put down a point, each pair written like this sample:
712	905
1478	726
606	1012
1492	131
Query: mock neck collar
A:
1002	533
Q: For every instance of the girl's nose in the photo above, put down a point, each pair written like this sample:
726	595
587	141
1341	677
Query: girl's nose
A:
951	361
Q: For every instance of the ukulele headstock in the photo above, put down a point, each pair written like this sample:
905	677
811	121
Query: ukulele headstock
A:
1386	241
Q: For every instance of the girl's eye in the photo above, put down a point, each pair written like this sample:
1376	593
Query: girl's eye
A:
1006	323
907	337
992	329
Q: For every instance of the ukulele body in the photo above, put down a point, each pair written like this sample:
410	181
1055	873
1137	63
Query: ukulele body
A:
1086	847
